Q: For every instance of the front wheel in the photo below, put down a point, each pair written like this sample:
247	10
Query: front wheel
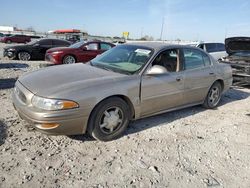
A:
69	59
109	119
24	56
213	96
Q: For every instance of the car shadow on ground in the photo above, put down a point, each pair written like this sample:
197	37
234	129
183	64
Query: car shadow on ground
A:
13	65
234	94
82	138
3	132
7	83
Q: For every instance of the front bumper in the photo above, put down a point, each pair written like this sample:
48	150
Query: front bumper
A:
52	59
71	122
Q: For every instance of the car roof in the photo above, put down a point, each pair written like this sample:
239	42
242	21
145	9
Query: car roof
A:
53	39
158	45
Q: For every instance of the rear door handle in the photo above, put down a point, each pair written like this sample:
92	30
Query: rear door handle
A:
211	73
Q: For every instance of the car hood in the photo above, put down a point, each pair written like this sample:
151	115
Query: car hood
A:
56	80
237	44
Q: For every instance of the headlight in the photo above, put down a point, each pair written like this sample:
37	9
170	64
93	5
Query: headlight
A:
11	49
52	104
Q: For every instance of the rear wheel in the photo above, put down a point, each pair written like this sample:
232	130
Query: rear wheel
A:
213	96
24	56
69	59
109	119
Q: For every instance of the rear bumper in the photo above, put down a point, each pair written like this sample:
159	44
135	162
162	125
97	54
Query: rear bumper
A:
227	84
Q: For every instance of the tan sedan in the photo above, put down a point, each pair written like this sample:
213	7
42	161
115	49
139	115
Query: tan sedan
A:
126	83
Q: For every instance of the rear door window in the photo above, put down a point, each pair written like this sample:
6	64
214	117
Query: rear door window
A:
211	47
60	43
193	59
220	47
45	42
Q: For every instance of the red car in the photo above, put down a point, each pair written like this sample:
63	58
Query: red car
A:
15	39
78	52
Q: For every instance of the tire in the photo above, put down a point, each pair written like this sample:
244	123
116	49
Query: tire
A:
69	59
213	97
109	119
24	56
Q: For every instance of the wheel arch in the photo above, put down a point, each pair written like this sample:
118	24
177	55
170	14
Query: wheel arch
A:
221	83
69	54
24	50
123	97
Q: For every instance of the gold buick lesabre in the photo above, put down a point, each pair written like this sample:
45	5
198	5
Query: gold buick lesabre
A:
128	82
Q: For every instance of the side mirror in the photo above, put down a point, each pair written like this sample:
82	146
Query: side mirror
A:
84	48
156	69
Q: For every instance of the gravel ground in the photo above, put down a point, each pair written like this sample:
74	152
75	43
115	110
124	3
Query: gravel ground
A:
193	147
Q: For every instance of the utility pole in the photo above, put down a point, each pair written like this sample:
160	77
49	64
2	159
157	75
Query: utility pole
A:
225	33
141	32
162	25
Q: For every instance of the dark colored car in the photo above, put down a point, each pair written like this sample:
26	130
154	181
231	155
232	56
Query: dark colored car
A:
15	39
1	35
78	52
34	50
238	49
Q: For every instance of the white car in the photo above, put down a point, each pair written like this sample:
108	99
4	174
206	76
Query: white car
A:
217	50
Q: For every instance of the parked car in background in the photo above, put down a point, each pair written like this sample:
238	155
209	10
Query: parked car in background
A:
217	50
78	52
125	83
73	38
238	49
1	35
34	50
15	39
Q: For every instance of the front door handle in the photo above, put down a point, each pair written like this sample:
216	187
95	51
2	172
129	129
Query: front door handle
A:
179	78
211	73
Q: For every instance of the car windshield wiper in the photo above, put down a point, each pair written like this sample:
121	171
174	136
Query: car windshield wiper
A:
112	70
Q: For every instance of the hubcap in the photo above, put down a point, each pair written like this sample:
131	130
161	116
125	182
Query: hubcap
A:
24	56
111	120
69	60
214	95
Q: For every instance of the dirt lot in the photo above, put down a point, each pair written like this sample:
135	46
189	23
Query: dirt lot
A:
193	147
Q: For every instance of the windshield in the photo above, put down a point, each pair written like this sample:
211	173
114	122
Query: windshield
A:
125	59
77	45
